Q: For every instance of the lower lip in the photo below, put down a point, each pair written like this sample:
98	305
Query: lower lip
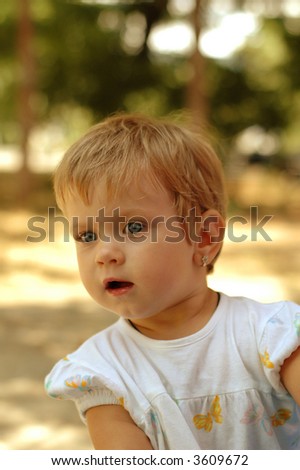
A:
119	291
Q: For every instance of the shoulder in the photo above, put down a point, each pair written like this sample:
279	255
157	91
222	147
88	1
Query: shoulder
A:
271	330
97	374
259	313
277	331
269	326
84	370
95	347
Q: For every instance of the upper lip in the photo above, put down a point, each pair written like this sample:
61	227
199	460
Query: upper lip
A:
108	282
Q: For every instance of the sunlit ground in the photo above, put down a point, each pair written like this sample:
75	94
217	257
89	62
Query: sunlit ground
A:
45	313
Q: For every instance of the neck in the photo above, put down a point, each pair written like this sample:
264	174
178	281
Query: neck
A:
180	321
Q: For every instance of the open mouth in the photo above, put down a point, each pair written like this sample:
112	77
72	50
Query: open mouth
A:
117	287
111	285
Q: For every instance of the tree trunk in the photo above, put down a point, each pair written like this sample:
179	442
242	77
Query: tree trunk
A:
196	99
26	88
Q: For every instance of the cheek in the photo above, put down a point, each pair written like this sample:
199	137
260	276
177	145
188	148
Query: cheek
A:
163	263
85	266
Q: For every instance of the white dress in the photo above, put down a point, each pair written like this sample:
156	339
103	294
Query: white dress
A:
216	389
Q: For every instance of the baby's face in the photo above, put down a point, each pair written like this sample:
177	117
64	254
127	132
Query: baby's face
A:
134	257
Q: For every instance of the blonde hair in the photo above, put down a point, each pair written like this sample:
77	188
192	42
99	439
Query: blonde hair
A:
123	147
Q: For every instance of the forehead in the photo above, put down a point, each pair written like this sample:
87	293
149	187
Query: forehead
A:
141	197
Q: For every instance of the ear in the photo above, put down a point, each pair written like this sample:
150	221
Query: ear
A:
210	236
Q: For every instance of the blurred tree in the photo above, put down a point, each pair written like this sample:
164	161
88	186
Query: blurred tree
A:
196	94
258	85
8	64
84	60
26	89
92	60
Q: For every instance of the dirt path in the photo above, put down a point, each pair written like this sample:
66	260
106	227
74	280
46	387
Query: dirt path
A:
45	313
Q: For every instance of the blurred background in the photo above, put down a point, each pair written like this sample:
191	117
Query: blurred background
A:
232	65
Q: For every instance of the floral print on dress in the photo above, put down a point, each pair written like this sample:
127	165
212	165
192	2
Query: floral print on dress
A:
297	323
265	359
80	382
256	414
280	417
53	395
154	422
205	421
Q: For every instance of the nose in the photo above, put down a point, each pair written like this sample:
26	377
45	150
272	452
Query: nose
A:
109	253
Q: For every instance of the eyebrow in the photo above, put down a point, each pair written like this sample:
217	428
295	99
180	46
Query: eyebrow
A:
87	222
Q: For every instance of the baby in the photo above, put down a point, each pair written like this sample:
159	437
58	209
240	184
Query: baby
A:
184	367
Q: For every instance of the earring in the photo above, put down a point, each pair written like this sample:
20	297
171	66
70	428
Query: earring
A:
204	260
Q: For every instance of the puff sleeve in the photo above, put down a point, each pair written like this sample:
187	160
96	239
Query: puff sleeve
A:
280	338
72	380
93	376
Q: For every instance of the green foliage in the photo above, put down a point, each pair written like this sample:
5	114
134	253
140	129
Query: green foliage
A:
85	70
9	70
260	86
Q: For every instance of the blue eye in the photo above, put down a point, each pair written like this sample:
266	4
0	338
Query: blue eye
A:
87	237
134	227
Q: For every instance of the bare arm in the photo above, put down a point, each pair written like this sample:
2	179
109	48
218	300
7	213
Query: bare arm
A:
290	375
111	427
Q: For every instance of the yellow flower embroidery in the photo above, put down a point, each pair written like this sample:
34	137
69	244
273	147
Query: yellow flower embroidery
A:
79	382
265	359
214	414
121	401
280	417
